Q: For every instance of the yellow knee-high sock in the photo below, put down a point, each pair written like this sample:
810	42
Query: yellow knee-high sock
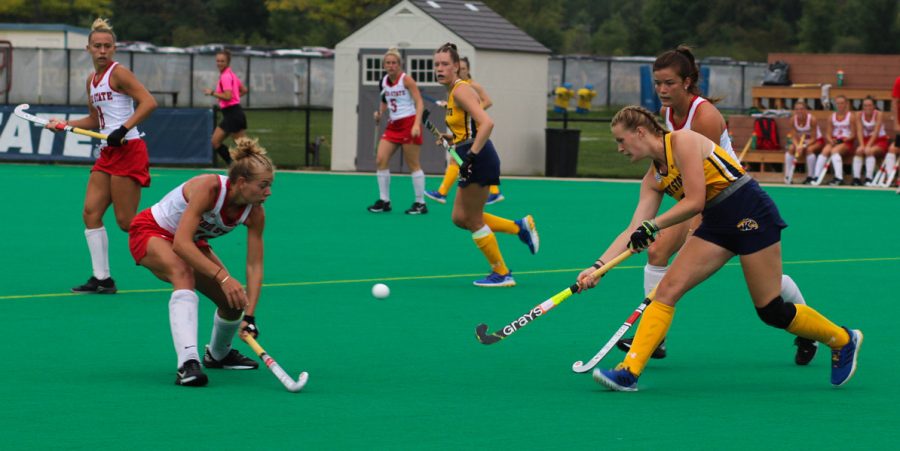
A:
809	323
650	333
501	225
450	176
495	189
487	243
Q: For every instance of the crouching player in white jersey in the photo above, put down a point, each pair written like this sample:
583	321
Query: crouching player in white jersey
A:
170	239
123	167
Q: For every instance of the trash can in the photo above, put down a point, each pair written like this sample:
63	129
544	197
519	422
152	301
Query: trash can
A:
562	152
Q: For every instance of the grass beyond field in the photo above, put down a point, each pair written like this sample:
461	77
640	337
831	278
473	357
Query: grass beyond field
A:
283	133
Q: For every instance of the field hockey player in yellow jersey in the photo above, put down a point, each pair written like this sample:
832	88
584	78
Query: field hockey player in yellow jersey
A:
452	171
739	218
675	78
479	170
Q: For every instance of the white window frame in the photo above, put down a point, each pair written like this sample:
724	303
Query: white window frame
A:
427	70
371	65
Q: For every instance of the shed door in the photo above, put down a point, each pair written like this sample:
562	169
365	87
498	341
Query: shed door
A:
418	65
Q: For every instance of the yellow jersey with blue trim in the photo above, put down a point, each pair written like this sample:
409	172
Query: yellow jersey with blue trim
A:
457	119
720	170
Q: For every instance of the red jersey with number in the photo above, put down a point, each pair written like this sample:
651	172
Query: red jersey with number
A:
113	107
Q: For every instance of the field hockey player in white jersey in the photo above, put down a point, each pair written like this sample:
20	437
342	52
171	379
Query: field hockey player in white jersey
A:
676	76
123	167
400	97
170	239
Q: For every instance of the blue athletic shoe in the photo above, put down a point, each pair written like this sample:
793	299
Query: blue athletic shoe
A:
843	361
494	198
496	280
436	196
618	379
528	233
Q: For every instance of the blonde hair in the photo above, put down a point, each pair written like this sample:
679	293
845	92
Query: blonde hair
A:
632	117
101	25
249	159
393	51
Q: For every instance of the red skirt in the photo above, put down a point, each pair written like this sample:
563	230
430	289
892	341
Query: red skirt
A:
143	227
130	160
400	131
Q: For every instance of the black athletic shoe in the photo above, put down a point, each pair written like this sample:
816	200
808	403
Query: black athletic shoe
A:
836	182
659	353
191	374
809	180
806	350
233	361
96	286
380	206
856	182
417	209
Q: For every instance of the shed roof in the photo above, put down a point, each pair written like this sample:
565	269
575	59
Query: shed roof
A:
480	26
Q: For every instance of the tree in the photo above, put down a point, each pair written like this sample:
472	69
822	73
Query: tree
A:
816	26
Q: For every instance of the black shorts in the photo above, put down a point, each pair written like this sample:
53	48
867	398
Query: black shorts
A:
897	140
485	169
233	119
745	222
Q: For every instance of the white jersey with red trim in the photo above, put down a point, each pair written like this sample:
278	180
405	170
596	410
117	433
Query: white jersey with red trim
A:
400	103
167	213
841	129
113	107
868	127
806	128
724	139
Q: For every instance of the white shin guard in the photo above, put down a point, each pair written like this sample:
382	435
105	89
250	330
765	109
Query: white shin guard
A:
222	333
183	308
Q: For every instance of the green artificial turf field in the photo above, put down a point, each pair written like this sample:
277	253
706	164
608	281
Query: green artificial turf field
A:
97	372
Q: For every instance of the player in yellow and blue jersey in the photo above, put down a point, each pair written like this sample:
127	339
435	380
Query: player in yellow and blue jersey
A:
480	169
739	218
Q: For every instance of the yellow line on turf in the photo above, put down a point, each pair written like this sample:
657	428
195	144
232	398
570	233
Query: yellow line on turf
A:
444	276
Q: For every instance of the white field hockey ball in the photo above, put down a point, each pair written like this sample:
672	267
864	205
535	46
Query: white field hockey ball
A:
380	290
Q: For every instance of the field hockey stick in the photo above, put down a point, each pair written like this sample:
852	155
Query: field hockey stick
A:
581	367
879	175
890	175
440	103
290	384
437	134
821	176
542	308
800	145
745	149
789	171
20	111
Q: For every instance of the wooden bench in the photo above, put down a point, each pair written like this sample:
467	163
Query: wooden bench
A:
768	165
864	75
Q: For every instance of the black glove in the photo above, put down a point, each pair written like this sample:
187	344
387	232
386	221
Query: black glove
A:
117	137
465	170
250	328
643	236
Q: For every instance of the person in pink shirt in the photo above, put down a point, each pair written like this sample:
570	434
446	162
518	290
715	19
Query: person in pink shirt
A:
229	91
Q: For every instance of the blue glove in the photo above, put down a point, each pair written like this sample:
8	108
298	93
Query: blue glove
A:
643	236
117	137
465	169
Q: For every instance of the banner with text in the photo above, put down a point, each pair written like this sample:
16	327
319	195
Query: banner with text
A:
174	136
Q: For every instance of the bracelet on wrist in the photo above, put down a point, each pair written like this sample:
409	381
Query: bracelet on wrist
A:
216	275
221	282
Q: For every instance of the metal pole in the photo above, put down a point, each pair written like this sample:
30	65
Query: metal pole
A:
68	77
608	83
308	101
193	79
249	60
